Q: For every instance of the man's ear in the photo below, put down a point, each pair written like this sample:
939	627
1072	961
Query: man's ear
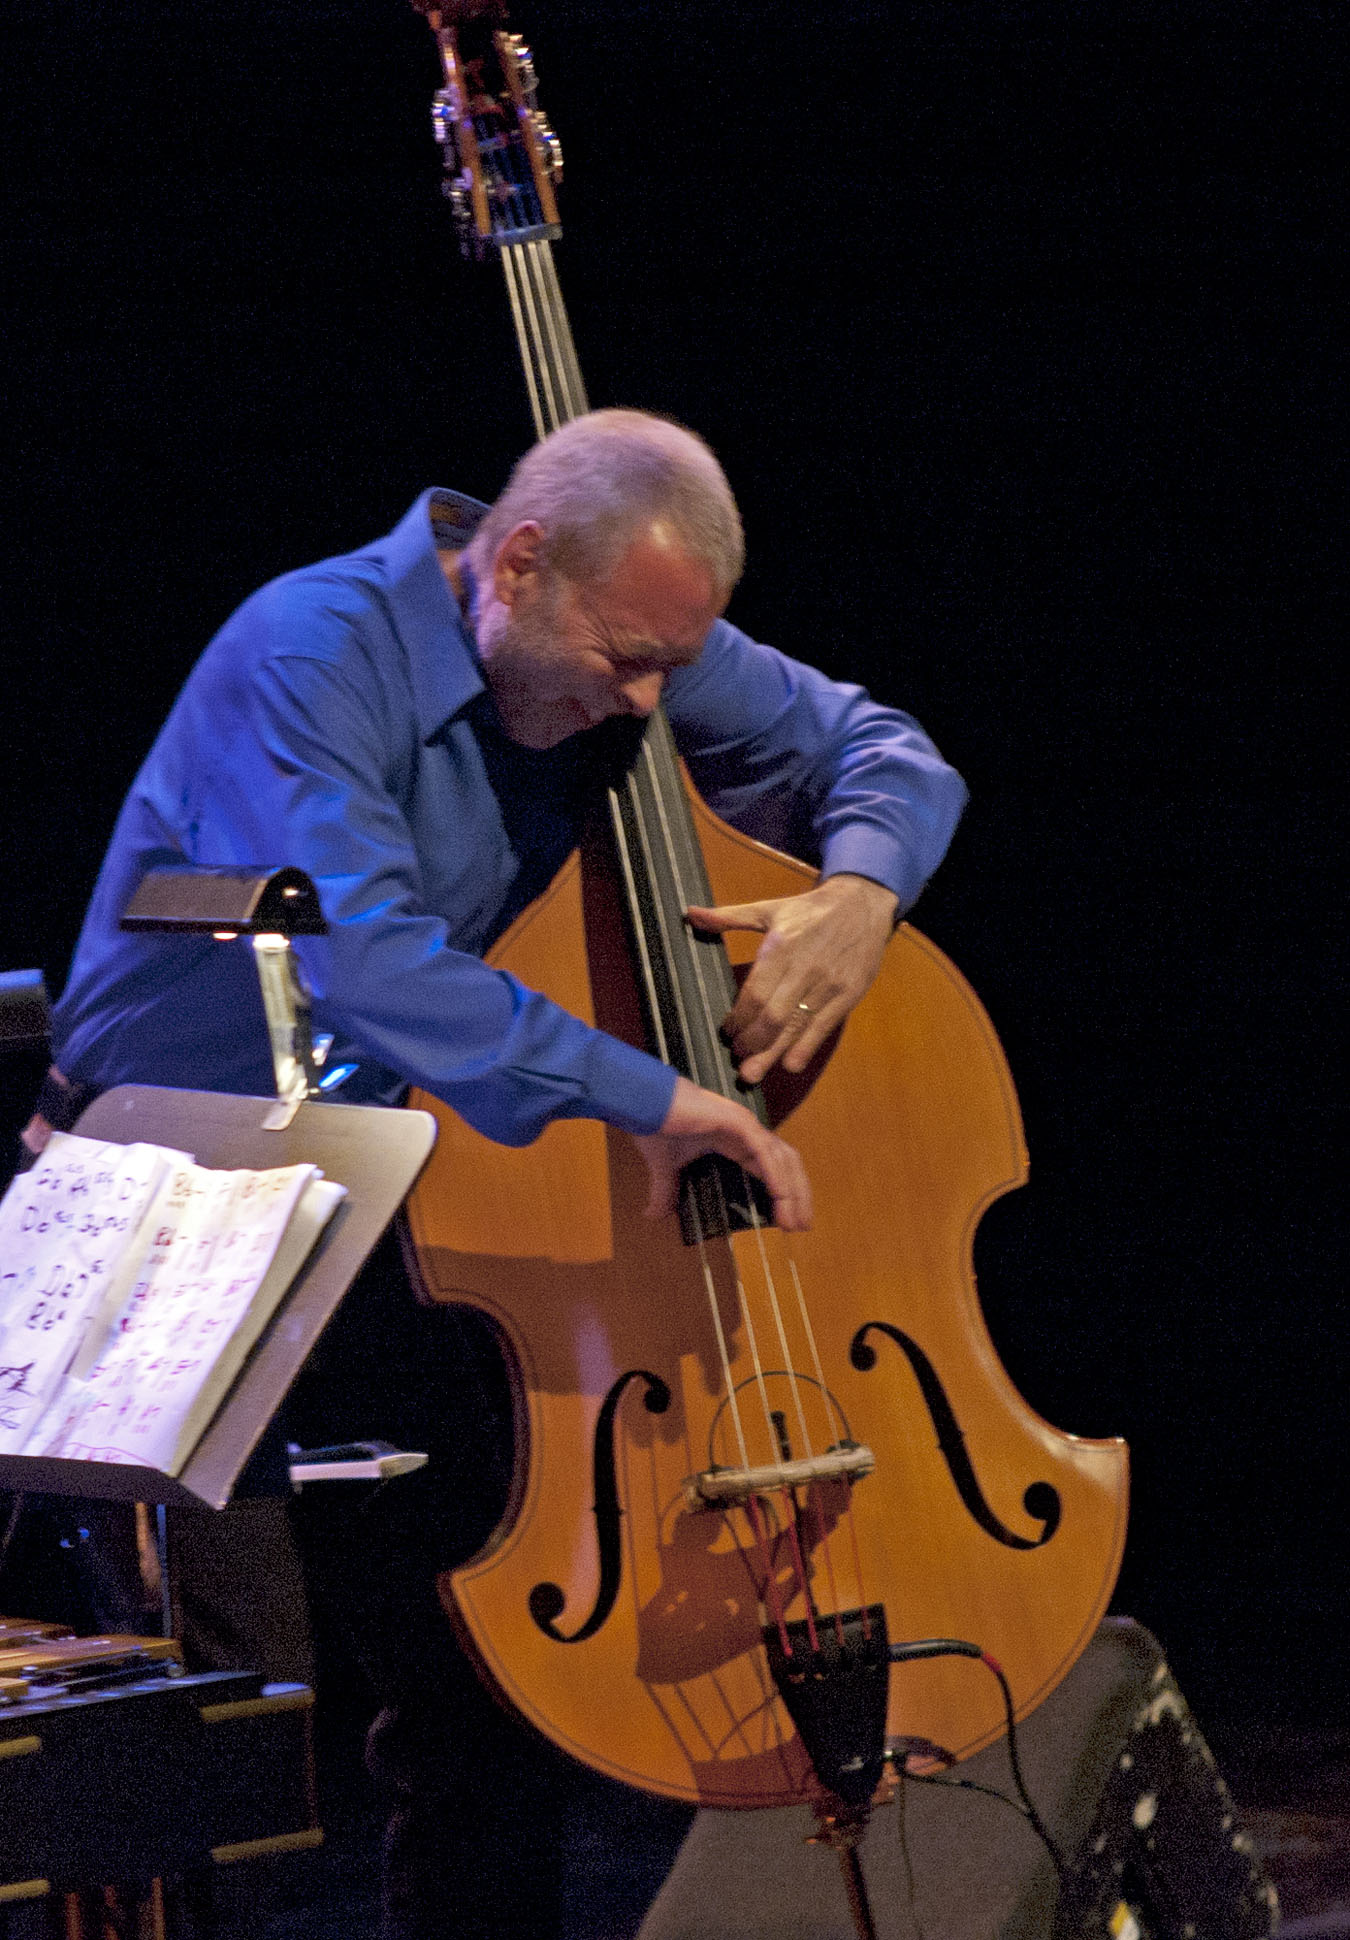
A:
518	562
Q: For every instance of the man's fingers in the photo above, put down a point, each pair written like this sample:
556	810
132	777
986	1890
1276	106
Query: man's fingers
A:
776	1004
795	1041
821	949
789	1188
780	1166
750	1026
731	916
663	1197
784	1016
699	1122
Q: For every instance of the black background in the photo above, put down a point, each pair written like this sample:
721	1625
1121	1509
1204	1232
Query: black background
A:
1009	323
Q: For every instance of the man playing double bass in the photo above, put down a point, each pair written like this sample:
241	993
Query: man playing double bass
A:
423	727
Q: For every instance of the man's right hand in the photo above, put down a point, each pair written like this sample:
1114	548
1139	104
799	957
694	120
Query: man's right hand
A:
700	1121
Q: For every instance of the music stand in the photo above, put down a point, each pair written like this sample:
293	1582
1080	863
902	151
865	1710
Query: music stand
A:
376	1153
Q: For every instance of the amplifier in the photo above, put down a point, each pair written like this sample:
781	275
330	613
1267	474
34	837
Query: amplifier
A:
1166	1858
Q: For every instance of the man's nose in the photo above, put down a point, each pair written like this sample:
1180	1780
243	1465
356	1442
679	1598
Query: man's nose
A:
641	695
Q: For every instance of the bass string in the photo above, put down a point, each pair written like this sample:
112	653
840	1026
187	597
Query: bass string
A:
548	353
549	347
722	1350
712	1025
756	1522
626	866
794	1387
672	936
835	1431
528	346
555	387
554	383
658	782
626	860
557	394
543	374
793	1519
775	1308
838	1437
628	871
540	256
534	339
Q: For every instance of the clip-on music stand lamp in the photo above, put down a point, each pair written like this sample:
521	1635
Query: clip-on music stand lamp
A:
375	1152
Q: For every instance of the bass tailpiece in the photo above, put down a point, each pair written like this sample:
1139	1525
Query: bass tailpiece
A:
836	1696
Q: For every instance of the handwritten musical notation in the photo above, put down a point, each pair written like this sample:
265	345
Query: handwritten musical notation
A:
133	1284
69	1230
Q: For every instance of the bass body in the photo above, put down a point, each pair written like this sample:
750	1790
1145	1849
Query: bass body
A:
978	1521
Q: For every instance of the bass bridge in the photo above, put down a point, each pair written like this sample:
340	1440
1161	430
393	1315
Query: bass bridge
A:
721	1488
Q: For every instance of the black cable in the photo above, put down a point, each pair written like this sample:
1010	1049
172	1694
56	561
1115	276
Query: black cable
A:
968	1785
958	1647
911	1890
1015	1762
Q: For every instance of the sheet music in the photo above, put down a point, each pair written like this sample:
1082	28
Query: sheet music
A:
72	1230
200	1296
318	1201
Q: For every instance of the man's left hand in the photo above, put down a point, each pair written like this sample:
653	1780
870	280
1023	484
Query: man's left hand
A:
820	952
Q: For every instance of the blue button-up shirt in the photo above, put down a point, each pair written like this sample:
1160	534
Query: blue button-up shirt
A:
340	722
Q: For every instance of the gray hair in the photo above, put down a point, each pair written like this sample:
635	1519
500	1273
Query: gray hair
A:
598	482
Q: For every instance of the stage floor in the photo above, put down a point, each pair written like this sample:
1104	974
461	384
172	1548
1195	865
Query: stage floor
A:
1293	1788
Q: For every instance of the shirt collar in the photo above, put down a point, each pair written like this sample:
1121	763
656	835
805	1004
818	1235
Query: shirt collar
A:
443	660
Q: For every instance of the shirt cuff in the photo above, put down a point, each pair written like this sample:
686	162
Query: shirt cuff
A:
860	851
624	1087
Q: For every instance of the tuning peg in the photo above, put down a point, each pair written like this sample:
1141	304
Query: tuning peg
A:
524	60
443	125
550	148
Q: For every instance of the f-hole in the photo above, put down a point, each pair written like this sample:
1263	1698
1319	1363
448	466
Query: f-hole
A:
1041	1499
547	1600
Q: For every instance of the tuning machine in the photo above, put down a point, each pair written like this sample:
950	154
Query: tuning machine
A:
524	60
443	128
550	148
457	179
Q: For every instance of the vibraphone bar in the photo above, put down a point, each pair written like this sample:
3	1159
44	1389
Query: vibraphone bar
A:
120	1771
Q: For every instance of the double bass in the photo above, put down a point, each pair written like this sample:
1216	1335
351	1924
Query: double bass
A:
778	1509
